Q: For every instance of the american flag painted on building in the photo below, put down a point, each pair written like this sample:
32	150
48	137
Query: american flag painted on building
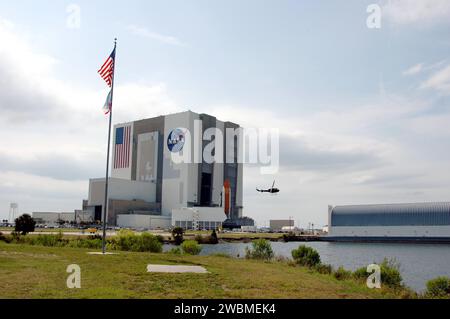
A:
122	147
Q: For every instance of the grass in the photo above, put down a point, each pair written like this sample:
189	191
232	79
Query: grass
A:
40	272
246	237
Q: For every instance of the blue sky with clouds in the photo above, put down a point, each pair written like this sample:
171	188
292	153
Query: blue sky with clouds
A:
363	113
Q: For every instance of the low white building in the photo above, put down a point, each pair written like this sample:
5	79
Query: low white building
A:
198	218
411	221
125	197
278	224
144	221
287	229
52	218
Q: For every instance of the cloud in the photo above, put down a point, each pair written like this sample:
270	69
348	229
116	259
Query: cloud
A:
295	154
419	12
136	101
433	126
389	180
144	32
20	184
415	69
37	193
56	166
439	81
24	79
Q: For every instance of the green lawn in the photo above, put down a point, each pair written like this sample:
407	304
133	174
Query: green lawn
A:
40	272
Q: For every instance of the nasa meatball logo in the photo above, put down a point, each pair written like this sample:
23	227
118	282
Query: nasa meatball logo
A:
175	140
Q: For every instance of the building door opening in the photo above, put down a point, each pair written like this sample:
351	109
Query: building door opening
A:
205	196
98	213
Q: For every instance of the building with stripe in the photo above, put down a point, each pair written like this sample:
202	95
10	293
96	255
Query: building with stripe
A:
146	181
390	222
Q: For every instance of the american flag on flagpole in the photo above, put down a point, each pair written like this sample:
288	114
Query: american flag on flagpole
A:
107	69
108	103
122	147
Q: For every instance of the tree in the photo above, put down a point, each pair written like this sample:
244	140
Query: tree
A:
25	224
177	234
438	287
262	249
191	247
306	256
213	238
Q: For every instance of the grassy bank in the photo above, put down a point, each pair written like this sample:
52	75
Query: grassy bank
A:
40	272
236	237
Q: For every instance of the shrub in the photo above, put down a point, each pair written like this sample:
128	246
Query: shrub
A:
149	242
175	250
177	234
289	237
261	249
25	224
210	239
160	239
360	273
125	240
342	274
324	269
306	256
129	241
191	247
390	273
95	243
200	239
7	239
213	238
48	240
16	237
125	233
438	287
407	293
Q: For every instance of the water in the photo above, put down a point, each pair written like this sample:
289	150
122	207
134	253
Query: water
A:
418	263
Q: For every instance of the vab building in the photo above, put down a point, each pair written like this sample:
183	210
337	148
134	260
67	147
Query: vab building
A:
160	178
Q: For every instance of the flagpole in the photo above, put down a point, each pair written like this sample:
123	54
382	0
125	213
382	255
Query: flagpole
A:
105	203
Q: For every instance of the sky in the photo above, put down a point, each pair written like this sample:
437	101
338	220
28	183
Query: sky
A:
363	112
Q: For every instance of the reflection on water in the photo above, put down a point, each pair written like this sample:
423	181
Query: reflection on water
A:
418	263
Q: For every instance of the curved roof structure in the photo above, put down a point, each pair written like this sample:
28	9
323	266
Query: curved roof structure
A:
413	214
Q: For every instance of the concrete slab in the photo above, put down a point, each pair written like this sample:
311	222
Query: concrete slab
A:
176	269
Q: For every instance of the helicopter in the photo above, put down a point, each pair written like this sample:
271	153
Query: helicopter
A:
272	190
